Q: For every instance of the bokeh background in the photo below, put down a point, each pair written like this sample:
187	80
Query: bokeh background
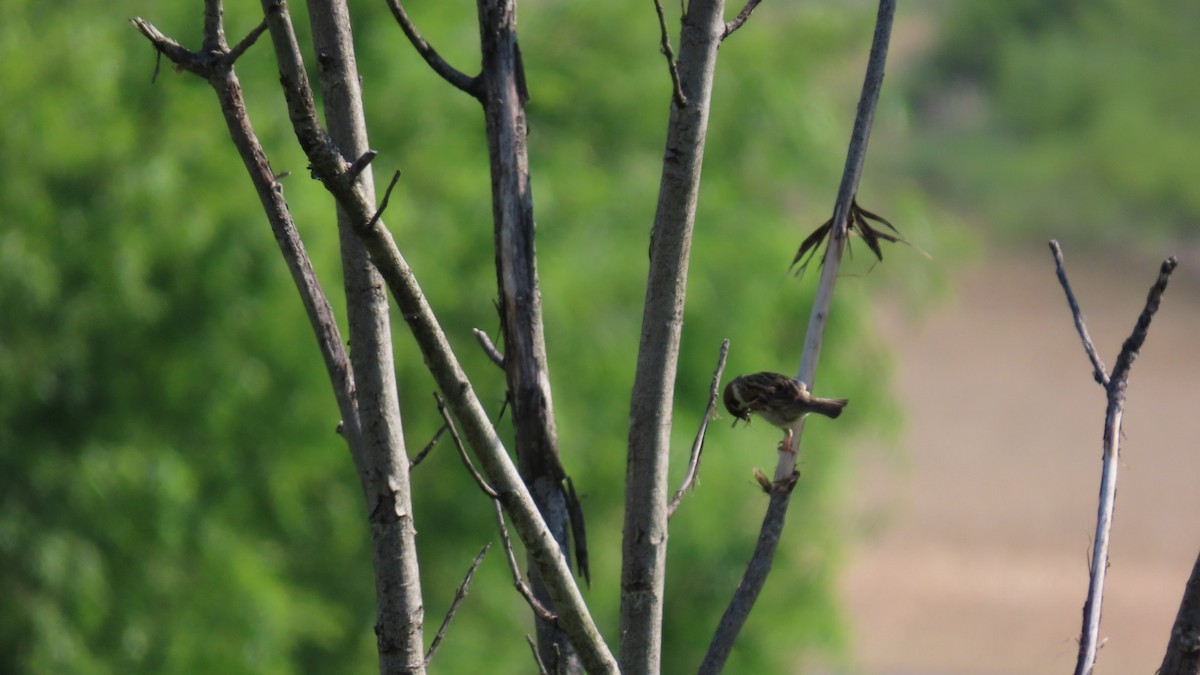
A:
173	498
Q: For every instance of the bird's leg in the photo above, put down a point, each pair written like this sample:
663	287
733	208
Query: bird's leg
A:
786	444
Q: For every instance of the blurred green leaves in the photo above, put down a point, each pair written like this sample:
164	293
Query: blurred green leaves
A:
1066	118
173	497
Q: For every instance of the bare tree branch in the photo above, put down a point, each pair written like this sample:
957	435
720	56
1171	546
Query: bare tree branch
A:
364	160
387	196
752	580
1114	387
462	451
740	19
383	493
693	470
412	464
447	72
539	542
401	610
669	53
488	348
270	193
644	544
246	42
523	588
503	93
459	596
1183	649
518	582
537	658
1098	370
785	469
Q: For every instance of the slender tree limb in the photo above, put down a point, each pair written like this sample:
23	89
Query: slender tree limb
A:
693	470
1133	344
1098	370
539	541
644	543
753	579
364	160
387	196
1183	648
270	193
325	161
540	610
485	343
504	94
459	596
1114	387
462	450
175	52
537	658
740	19
458	79
412	464
518	582
400	625
669	53
785	469
246	42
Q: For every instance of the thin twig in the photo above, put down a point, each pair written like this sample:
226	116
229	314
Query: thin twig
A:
165	46
1133	344
448	73
693	470
459	595
387	195
518	581
361	163
785	469
1114	387
537	658
246	42
412	464
740	19
462	451
489	348
668	52
1098	370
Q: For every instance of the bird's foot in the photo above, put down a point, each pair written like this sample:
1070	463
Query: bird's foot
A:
786	444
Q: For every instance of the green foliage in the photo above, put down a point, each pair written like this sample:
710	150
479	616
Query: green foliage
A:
173	497
1081	109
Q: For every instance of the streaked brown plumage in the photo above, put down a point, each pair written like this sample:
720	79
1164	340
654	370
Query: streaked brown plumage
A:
778	399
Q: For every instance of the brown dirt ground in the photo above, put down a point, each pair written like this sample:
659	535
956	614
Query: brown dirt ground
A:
974	557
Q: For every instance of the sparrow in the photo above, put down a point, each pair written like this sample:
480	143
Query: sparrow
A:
779	399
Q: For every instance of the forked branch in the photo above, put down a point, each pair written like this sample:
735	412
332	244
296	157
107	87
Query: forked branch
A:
1114	388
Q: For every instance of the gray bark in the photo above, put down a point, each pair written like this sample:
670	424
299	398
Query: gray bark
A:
399	630
1183	649
503	97
645	533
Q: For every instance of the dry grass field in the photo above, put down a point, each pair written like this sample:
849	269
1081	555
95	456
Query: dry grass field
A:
975	536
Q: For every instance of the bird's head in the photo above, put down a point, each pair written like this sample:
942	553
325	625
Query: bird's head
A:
734	404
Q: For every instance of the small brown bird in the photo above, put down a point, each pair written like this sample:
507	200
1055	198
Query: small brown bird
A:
778	399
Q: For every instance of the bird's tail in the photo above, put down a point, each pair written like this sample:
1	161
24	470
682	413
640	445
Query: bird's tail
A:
829	407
